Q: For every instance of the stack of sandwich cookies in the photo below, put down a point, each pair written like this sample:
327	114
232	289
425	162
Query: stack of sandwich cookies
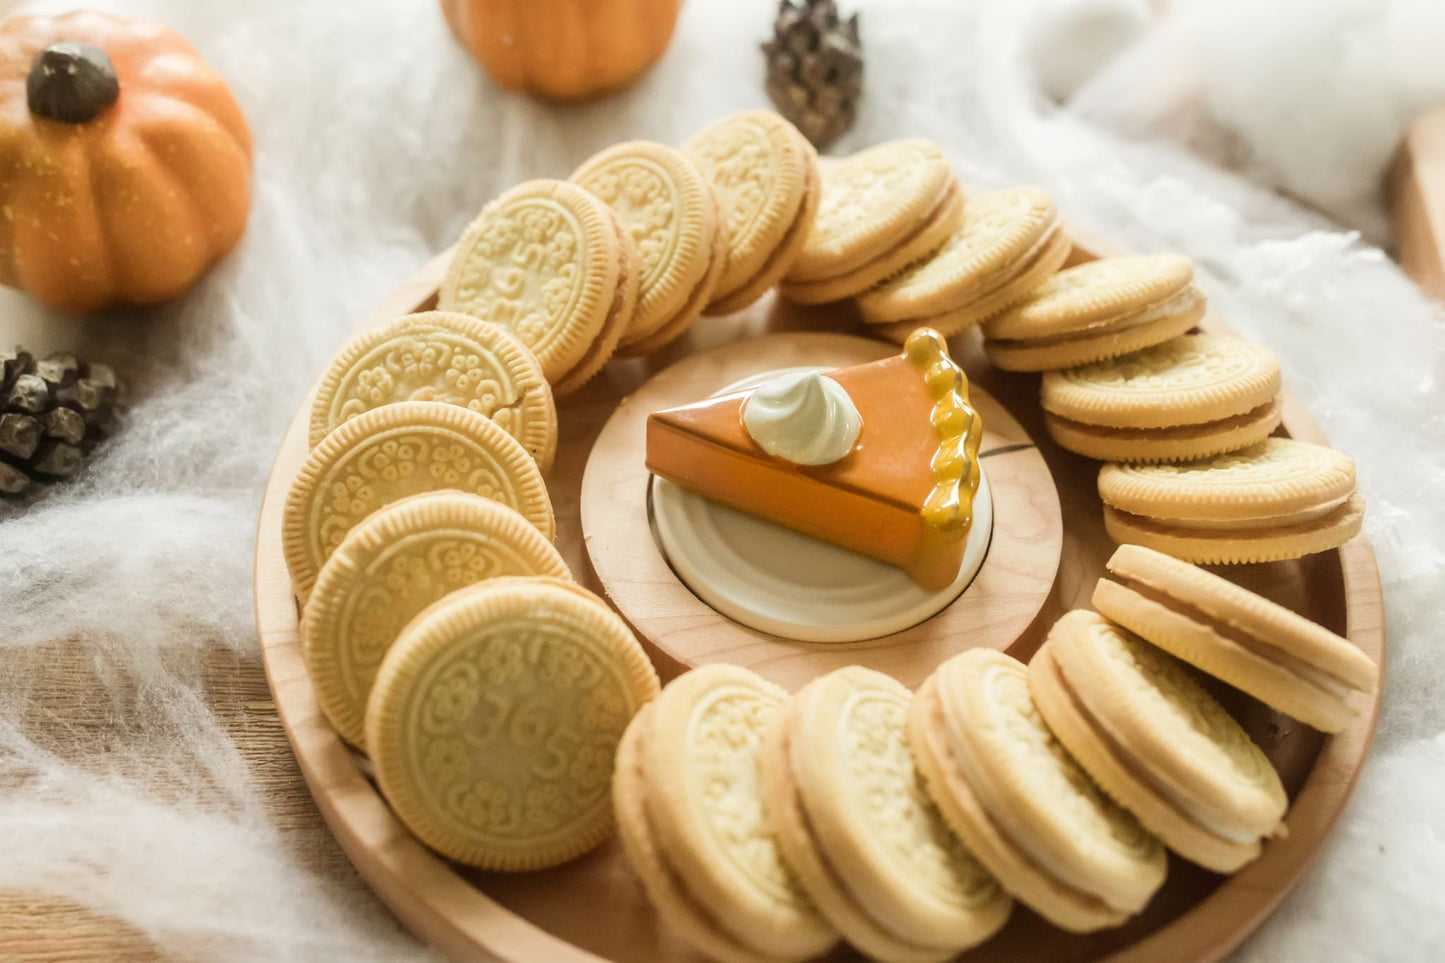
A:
1275	500
1096	310
691	818
1021	804
441	356
665	202
882	209
864	840
394	451
549	261
1191	397
1156	742
495	719
389	568
765	175
1007	244
1284	660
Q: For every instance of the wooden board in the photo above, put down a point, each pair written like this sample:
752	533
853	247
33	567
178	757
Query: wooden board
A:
1415	189
594	909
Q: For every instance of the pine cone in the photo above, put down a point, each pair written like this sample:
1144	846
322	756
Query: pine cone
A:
815	68
52	415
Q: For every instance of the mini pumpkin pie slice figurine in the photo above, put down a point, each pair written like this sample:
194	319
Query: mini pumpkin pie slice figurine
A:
879	458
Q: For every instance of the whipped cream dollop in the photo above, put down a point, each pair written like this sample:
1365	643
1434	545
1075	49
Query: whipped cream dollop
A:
803	417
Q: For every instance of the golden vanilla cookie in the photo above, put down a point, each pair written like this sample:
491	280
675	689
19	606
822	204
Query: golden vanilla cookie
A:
1049	255
874	203
1258	646
619	317
665	889
1021	804
1022	877
495	718
1007	242
1118	776
765	175
441	356
1191	397
1278	499
695	801
548	261
931	235
1156	741
388	569
1180	443
853	822
667	206
1096	310
388	453
679	325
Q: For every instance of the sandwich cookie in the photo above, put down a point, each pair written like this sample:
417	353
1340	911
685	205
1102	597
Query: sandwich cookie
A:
495	719
765	175
1021	804
1278	499
691	817
1156	742
1096	310
1191	397
384	455
548	261
389	568
1281	658
665	203
441	356
882	209
1007	244
855	825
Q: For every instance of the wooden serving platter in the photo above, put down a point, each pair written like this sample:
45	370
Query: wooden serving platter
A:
594	909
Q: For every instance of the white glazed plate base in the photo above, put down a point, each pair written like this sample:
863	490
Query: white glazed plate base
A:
792	585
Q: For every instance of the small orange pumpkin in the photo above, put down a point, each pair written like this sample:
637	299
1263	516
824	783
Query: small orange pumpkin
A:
567	49
125	163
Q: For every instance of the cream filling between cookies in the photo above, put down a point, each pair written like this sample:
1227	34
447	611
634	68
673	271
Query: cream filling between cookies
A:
1001	815
1202	429
837	879
1031	258
1244	528
679	885
1308	673
696	304
1301	517
786	247
1173	796
947	196
1181	302
610	324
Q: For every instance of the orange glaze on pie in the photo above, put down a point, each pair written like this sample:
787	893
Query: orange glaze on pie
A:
903	495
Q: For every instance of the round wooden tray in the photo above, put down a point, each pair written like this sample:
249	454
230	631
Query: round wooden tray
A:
594	908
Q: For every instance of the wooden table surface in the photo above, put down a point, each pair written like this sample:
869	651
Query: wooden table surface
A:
62	683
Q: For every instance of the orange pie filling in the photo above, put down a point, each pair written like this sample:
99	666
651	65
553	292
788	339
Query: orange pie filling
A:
903	493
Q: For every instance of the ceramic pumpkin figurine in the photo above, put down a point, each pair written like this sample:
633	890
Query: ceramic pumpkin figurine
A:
125	163
567	49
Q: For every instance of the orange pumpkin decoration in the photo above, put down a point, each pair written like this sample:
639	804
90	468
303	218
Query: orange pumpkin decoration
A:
125	163
567	49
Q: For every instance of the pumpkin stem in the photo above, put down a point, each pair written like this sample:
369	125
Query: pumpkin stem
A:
71	82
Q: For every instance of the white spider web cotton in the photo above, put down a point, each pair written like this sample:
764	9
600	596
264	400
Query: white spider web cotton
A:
123	784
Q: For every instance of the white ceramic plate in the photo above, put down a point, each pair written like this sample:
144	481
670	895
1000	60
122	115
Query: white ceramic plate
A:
791	585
